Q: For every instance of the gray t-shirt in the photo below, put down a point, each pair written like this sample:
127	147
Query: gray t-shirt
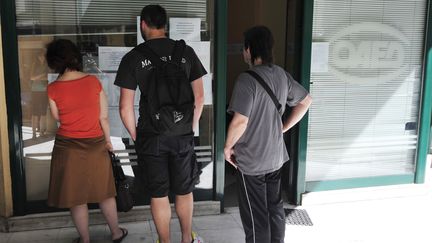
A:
261	149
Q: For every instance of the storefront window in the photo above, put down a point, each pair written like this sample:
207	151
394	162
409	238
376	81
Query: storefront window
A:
104	31
366	75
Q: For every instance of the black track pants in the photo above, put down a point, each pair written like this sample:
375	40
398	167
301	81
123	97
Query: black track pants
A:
261	207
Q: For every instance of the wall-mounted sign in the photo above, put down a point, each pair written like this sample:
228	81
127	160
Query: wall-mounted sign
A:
110	57
188	29
320	53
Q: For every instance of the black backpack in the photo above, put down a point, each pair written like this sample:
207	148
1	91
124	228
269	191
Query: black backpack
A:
169	98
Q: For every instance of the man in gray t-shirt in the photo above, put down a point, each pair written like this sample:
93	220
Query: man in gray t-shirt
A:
255	144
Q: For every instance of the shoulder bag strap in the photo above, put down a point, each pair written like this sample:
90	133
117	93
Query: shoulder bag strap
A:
267	89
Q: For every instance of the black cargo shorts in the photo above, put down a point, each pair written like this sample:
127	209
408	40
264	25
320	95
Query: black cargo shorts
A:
167	163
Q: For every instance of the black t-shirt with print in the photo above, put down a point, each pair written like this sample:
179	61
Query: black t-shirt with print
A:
135	69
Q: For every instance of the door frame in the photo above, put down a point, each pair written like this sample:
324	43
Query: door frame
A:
306	53
221	17
13	104
424	128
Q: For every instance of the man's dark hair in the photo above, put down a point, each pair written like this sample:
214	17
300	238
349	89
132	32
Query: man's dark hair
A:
63	54
154	15
259	40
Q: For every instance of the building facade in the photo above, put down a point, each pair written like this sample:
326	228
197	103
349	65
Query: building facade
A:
366	64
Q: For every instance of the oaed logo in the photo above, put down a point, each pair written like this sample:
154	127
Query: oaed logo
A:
368	52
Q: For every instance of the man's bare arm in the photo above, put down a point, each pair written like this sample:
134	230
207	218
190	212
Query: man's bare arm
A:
127	111
236	129
198	90
297	113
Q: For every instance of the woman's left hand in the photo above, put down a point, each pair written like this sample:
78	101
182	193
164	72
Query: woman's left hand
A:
109	146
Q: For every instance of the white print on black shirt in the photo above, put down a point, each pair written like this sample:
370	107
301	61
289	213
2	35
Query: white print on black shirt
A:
147	62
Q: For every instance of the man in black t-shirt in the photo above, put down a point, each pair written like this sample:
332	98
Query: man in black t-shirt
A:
167	163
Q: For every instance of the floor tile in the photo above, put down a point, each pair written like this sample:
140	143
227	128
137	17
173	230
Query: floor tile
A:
223	221
237	219
137	227
174	226
37	235
4	237
222	235
145	238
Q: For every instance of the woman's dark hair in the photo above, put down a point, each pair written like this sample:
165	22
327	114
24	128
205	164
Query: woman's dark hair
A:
63	54
155	16
259	40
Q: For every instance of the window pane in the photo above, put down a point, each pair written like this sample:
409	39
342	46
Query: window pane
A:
93	25
365	81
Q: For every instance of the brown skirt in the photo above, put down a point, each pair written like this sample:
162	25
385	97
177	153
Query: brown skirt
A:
80	172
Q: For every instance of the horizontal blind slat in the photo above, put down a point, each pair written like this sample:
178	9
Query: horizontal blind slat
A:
100	12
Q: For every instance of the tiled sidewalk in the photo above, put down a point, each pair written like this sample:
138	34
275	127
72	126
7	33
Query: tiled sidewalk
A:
392	214
387	220
218	228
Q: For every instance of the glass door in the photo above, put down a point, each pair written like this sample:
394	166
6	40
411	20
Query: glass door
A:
366	76
104	31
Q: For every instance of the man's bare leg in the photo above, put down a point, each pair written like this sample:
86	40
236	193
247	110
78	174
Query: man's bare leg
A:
161	212
184	210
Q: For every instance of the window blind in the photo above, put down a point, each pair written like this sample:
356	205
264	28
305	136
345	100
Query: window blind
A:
99	12
365	82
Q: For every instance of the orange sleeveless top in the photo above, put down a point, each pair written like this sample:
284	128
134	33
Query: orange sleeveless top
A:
78	103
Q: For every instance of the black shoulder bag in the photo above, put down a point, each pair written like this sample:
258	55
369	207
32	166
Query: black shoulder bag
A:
124	198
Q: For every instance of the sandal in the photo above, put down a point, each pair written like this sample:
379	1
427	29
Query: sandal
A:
77	240
124	234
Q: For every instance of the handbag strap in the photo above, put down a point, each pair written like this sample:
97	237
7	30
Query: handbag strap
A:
267	89
116	167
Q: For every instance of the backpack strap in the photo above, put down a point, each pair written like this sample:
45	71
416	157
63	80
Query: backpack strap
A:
267	89
177	54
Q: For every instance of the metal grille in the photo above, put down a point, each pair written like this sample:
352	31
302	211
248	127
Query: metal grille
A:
297	217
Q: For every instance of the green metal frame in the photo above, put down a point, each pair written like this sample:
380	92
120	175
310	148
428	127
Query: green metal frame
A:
220	111
305	81
426	104
424	121
13	104
13	98
358	182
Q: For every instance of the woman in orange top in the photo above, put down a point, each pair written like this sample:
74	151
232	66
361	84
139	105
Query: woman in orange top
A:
80	166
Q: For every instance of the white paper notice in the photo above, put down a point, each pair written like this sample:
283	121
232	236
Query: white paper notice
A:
110	57
52	77
320	53
208	91
139	36
202	49
196	131
188	29
113	93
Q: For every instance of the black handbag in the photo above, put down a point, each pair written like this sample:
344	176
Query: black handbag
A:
124	198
